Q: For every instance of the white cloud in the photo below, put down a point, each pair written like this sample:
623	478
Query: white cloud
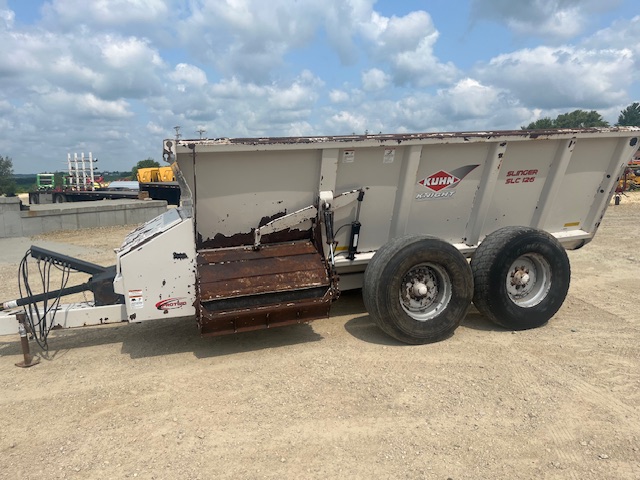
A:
185	73
557	19
622	34
393	34
469	98
7	17
232	107
156	129
106	65
121	53
406	44
248	38
251	39
374	79
564	77
348	122
338	96
83	105
5	106
113	13
301	94
24	53
66	66
300	129
340	19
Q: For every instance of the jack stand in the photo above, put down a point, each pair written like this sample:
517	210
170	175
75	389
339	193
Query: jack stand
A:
28	361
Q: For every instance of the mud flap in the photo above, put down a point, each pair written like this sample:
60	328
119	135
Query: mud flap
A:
242	289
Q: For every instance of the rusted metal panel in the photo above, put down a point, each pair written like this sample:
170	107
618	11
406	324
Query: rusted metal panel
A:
258	283
242	289
220	240
263	317
245	254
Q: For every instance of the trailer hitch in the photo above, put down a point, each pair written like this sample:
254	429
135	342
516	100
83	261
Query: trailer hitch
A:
40	309
100	283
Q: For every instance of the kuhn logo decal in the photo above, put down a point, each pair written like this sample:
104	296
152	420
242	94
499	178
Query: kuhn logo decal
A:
442	184
439	180
170	303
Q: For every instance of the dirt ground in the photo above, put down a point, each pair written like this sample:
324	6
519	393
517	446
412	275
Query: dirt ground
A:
337	398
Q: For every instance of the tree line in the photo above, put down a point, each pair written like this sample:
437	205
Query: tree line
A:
629	117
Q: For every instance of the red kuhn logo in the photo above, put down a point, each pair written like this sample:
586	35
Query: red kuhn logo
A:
439	180
170	303
442	184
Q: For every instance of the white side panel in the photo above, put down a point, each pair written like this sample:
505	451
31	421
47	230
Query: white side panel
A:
237	192
445	188
592	172
379	171
158	277
522	176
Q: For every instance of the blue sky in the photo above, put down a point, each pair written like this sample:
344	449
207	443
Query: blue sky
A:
115	76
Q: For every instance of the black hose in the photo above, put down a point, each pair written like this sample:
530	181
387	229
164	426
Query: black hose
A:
40	326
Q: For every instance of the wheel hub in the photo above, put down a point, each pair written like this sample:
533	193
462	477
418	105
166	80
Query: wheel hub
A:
520	277
529	280
425	291
420	289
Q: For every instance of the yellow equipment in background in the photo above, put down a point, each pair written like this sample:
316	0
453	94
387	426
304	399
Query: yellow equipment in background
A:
160	184
629	180
156	174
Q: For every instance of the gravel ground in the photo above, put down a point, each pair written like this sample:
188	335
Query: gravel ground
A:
337	398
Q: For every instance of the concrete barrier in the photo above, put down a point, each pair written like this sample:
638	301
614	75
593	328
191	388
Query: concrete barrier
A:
16	221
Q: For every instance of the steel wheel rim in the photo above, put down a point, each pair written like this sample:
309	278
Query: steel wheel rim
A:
425	291
528	280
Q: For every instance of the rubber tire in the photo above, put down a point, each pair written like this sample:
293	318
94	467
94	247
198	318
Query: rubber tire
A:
491	263
382	282
58	198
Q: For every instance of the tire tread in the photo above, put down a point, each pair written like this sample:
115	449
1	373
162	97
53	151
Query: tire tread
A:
380	274
484	259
